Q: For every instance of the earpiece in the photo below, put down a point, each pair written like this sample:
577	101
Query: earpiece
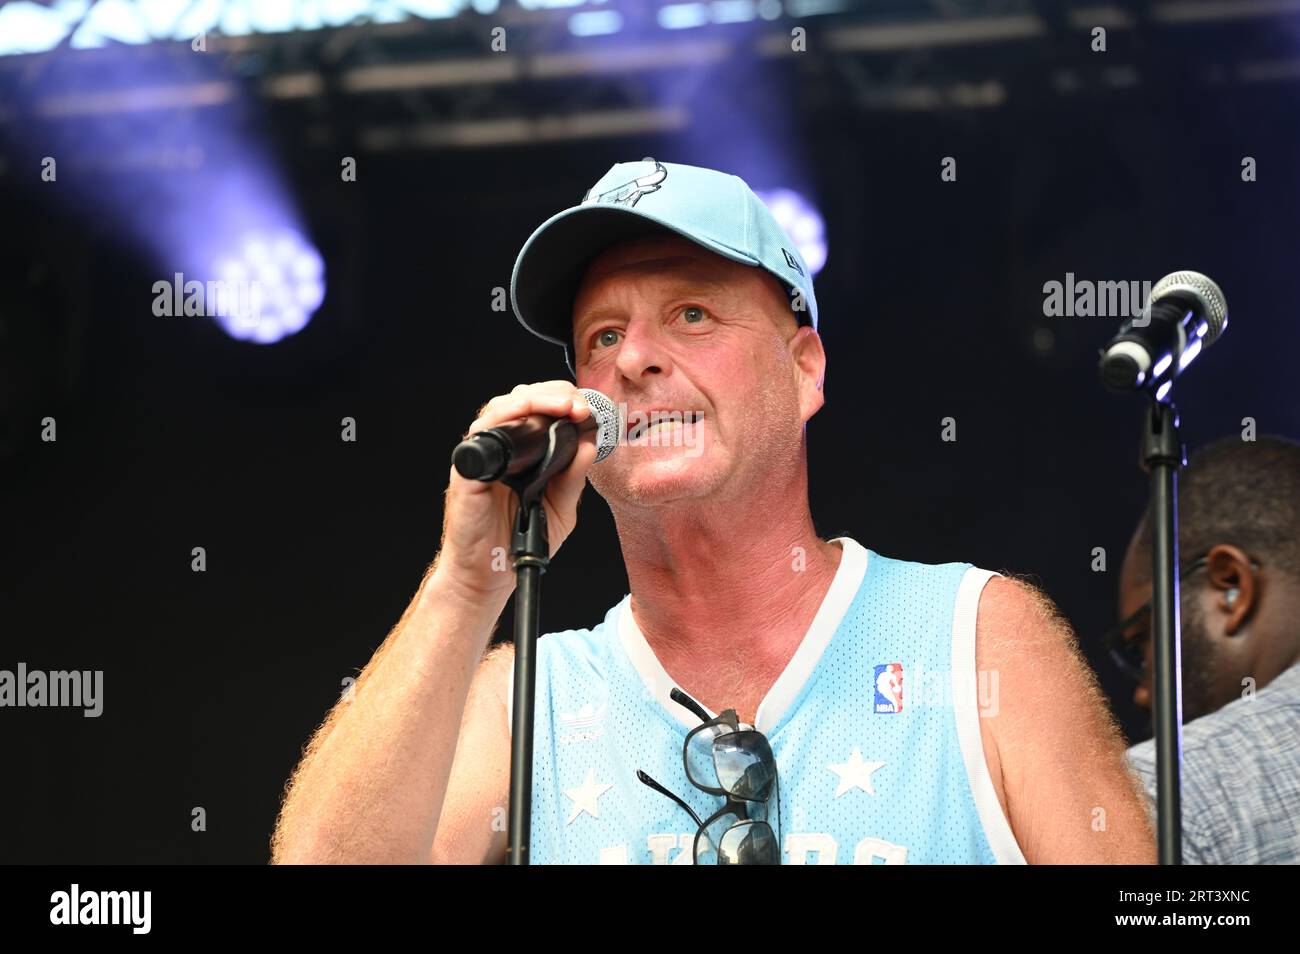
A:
1231	595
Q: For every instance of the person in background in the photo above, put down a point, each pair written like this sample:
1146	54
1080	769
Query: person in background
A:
1239	548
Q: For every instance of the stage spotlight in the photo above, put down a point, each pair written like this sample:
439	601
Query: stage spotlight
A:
273	286
801	221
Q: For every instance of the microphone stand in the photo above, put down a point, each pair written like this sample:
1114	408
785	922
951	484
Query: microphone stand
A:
530	554
1162	456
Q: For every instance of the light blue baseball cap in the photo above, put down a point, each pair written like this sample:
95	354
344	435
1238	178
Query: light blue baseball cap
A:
714	209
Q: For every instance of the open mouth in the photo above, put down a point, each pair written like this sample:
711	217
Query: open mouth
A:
662	427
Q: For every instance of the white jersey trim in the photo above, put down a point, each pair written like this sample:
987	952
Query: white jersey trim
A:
848	578
845	585
965	694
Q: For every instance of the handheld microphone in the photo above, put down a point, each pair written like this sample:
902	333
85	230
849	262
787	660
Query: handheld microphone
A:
1185	314
511	449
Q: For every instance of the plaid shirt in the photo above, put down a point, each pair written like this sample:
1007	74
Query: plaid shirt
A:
1241	779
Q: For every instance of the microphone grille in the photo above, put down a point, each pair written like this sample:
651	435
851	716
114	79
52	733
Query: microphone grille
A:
609	424
1199	291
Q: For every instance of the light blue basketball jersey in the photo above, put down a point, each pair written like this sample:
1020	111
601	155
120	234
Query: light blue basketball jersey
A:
874	725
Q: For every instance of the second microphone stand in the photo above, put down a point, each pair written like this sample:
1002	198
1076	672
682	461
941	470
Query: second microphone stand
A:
1162	456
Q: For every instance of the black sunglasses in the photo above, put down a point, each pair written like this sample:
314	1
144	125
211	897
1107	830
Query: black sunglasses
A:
743	764
1130	654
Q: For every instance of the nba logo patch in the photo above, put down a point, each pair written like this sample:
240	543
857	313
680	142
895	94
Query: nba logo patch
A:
889	687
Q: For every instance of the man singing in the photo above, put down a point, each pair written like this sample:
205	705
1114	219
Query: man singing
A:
842	707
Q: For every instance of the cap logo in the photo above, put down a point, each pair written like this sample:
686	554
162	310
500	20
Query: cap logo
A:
792	261
629	192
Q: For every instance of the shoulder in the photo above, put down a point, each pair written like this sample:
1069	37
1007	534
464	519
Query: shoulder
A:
1238	766
1022	636
1049	729
1020	629
590	643
1012	608
568	656
1251	734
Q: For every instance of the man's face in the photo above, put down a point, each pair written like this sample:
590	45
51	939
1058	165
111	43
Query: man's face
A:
1209	682
662	324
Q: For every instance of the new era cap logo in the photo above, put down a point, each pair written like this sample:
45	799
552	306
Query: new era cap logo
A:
629	192
791	261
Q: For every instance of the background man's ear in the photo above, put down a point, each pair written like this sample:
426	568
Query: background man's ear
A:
1230	573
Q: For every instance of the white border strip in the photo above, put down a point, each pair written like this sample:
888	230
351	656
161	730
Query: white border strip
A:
966	714
830	614
787	686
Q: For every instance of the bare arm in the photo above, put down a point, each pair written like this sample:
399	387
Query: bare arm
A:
1054	750
472	827
371	786
423	734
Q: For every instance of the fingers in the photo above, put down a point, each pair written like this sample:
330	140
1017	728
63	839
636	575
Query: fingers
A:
555	398
566	487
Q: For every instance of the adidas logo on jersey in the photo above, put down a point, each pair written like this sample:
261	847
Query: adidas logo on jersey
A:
585	724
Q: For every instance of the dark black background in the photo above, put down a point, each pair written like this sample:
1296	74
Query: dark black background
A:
172	436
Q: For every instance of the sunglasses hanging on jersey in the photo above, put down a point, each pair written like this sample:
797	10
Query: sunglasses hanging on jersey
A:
741	763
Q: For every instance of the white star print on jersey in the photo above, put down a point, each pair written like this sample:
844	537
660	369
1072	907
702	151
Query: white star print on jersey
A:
859	783
855	773
585	796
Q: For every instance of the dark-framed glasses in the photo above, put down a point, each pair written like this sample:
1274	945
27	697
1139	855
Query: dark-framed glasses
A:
1129	652
726	758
